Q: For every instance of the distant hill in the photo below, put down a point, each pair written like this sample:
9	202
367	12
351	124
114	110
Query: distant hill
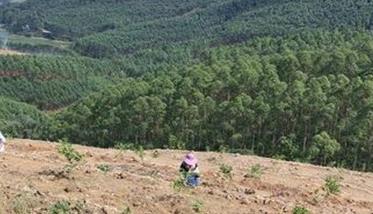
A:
110	27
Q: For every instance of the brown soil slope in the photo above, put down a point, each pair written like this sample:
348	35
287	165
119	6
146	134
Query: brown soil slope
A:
33	178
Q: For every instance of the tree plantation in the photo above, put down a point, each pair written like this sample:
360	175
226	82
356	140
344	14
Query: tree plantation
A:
286	79
109	28
307	97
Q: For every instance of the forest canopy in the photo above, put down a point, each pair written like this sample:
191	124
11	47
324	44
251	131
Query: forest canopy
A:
307	97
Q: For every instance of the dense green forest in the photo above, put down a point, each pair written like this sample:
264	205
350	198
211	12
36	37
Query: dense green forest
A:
22	120
289	79
109	28
51	82
307	97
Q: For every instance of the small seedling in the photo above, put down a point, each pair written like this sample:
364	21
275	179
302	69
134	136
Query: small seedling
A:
300	210
154	174
126	210
178	184
23	203
255	171
226	170
197	206
103	167
318	197
140	152
61	207
332	185
68	168
69	152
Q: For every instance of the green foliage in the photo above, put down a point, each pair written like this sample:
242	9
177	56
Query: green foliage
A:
22	120
254	171
110	28
124	146
67	150
103	168
332	185
197	206
175	143
323	148
223	149
51	82
139	150
60	207
296	87
226	170
300	210
302	97
287	149
178	184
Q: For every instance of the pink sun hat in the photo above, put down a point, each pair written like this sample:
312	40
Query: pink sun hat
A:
190	159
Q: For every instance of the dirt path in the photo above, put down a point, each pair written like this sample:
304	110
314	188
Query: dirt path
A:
33	179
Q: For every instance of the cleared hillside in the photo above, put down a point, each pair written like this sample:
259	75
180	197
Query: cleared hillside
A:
32	178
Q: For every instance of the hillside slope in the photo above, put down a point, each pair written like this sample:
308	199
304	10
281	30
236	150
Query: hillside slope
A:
32	180
109	28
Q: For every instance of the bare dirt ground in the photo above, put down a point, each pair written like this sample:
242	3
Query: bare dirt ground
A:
32	179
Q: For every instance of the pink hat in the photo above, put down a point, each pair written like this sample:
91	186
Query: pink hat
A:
190	159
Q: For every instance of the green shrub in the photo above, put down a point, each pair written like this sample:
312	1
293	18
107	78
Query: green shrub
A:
61	207
226	170
223	149
178	184
255	171
140	152
332	185
103	167
69	152
175	143
300	210
197	206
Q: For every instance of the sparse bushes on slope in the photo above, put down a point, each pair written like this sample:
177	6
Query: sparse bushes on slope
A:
60	207
332	185
197	206
69	152
254	171
226	170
